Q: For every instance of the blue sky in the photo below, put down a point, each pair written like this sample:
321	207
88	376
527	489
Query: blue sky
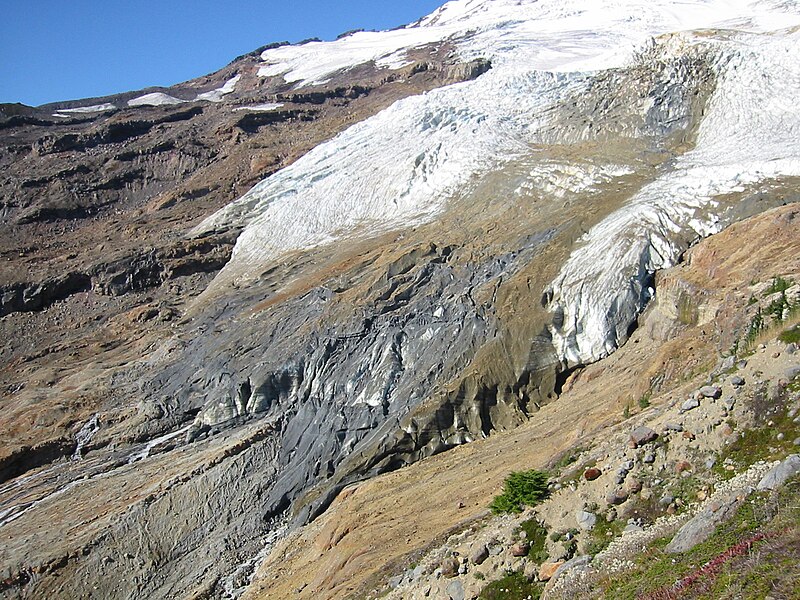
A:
70	49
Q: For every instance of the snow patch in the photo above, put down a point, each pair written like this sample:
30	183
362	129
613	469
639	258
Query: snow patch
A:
87	109
155	99
217	95
266	107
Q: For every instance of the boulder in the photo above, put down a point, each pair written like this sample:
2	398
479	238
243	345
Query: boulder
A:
690	404
520	549
737	381
666	500
642	435
455	590
586	520
592	474
780	474
616	497
703	524
710	391
634	486
577	563
479	554
449	566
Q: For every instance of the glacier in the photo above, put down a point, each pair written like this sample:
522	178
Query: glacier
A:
421	157
749	136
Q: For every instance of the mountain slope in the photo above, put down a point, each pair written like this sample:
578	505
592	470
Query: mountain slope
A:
418	270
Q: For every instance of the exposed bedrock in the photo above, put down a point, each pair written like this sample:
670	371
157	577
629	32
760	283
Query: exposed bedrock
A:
348	385
23	297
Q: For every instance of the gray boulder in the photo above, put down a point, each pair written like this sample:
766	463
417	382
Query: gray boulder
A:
586	520
702	525
455	590
577	563
642	435
690	404
710	391
780	474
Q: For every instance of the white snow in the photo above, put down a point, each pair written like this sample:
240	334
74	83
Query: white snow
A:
394	170
567	35
407	164
155	99
266	107
751	134
88	109
217	95
144	450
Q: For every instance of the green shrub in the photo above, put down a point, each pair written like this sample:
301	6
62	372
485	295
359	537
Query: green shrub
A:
513	586
537	536
778	307
756	326
521	488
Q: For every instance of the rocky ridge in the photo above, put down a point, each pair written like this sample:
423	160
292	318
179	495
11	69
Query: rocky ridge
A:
665	477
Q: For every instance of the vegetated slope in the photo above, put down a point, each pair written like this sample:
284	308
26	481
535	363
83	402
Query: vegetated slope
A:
428	276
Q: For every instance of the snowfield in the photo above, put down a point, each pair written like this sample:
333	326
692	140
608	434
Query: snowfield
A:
405	165
154	99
